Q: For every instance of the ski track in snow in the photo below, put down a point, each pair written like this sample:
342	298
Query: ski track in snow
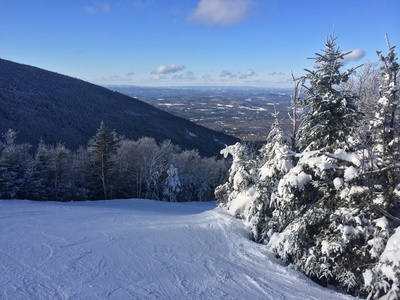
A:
138	249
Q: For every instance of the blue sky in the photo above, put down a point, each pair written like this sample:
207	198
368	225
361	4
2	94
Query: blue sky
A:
191	42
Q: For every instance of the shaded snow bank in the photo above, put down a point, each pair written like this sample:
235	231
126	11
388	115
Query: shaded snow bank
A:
138	249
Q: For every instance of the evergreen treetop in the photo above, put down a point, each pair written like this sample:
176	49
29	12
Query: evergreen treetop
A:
330	116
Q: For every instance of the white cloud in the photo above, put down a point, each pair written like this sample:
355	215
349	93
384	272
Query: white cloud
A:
97	7
130	74
228	74
166	70
354	55
220	12
249	73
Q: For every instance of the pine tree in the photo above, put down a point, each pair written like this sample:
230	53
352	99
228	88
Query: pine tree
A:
317	218
275	160
240	191
330	116
102	147
323	214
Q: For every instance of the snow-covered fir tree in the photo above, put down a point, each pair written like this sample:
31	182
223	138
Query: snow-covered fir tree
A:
330	115
172	185
331	230
14	161
385	127
325	214
274	161
306	195
383	178
239	192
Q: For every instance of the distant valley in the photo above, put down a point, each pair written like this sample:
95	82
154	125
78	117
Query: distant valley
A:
243	112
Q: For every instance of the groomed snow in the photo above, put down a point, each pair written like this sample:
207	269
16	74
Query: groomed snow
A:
138	249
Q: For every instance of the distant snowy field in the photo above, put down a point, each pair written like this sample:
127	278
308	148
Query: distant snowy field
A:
138	249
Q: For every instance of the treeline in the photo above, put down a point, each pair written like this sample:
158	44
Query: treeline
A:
108	167
325	198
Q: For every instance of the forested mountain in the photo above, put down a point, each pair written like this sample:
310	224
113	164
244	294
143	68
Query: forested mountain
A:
45	105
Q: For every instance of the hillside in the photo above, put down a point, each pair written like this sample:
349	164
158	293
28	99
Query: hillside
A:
42	104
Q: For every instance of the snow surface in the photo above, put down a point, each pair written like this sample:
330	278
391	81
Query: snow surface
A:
242	201
138	249
392	249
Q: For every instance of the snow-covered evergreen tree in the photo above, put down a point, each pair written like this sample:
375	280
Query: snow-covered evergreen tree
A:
329	227
14	162
385	128
172	185
275	160
383	183
330	116
384	277
240	191
316	209
326	224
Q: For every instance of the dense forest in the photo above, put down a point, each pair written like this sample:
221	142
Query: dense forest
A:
109	167
325	197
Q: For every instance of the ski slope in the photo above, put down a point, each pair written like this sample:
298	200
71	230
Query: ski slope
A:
138	249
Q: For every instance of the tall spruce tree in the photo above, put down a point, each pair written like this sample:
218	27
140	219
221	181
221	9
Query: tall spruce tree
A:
330	116
102	147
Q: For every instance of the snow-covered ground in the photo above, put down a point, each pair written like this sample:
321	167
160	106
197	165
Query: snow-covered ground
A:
138	249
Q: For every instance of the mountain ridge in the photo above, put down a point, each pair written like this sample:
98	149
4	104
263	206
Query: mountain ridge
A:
46	105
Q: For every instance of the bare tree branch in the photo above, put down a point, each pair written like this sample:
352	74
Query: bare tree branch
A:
386	214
